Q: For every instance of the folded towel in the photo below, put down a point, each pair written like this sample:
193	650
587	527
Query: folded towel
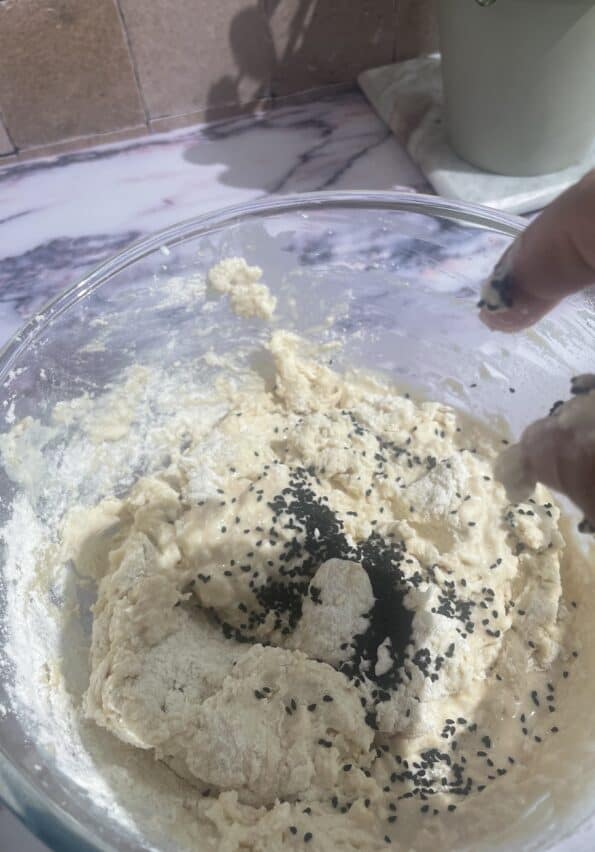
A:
408	97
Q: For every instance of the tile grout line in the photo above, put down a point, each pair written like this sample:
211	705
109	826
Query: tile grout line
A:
135	71
15	149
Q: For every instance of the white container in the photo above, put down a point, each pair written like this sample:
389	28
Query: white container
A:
519	82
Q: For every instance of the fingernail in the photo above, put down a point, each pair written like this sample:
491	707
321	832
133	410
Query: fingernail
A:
582	384
586	527
497	292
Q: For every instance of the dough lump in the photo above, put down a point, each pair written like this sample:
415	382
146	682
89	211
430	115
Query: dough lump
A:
321	605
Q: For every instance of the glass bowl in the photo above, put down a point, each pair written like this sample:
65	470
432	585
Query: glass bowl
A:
394	278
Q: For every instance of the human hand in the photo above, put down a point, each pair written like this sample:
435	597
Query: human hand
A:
555	256
552	258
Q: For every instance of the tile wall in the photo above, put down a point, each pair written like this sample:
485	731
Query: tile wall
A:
74	72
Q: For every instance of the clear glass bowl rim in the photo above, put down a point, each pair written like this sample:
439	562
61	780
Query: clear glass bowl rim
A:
410	202
18	792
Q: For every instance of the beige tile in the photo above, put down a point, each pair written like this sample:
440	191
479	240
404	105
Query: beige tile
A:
194	55
328	41
65	70
263	105
416	29
6	146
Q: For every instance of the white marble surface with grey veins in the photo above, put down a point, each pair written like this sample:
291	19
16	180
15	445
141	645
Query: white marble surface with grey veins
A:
62	216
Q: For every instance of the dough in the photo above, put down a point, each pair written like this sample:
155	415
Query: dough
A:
324	612
248	297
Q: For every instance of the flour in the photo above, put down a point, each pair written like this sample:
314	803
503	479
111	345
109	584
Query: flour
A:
435	493
339	599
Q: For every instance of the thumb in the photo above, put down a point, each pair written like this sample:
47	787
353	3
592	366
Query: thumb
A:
552	258
558	451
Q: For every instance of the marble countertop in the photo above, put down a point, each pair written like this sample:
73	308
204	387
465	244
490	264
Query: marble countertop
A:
60	217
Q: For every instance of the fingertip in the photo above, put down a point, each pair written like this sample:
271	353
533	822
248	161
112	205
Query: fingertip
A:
541	444
507	321
525	312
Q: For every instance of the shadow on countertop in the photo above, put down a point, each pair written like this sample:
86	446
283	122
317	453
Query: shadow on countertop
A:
287	164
